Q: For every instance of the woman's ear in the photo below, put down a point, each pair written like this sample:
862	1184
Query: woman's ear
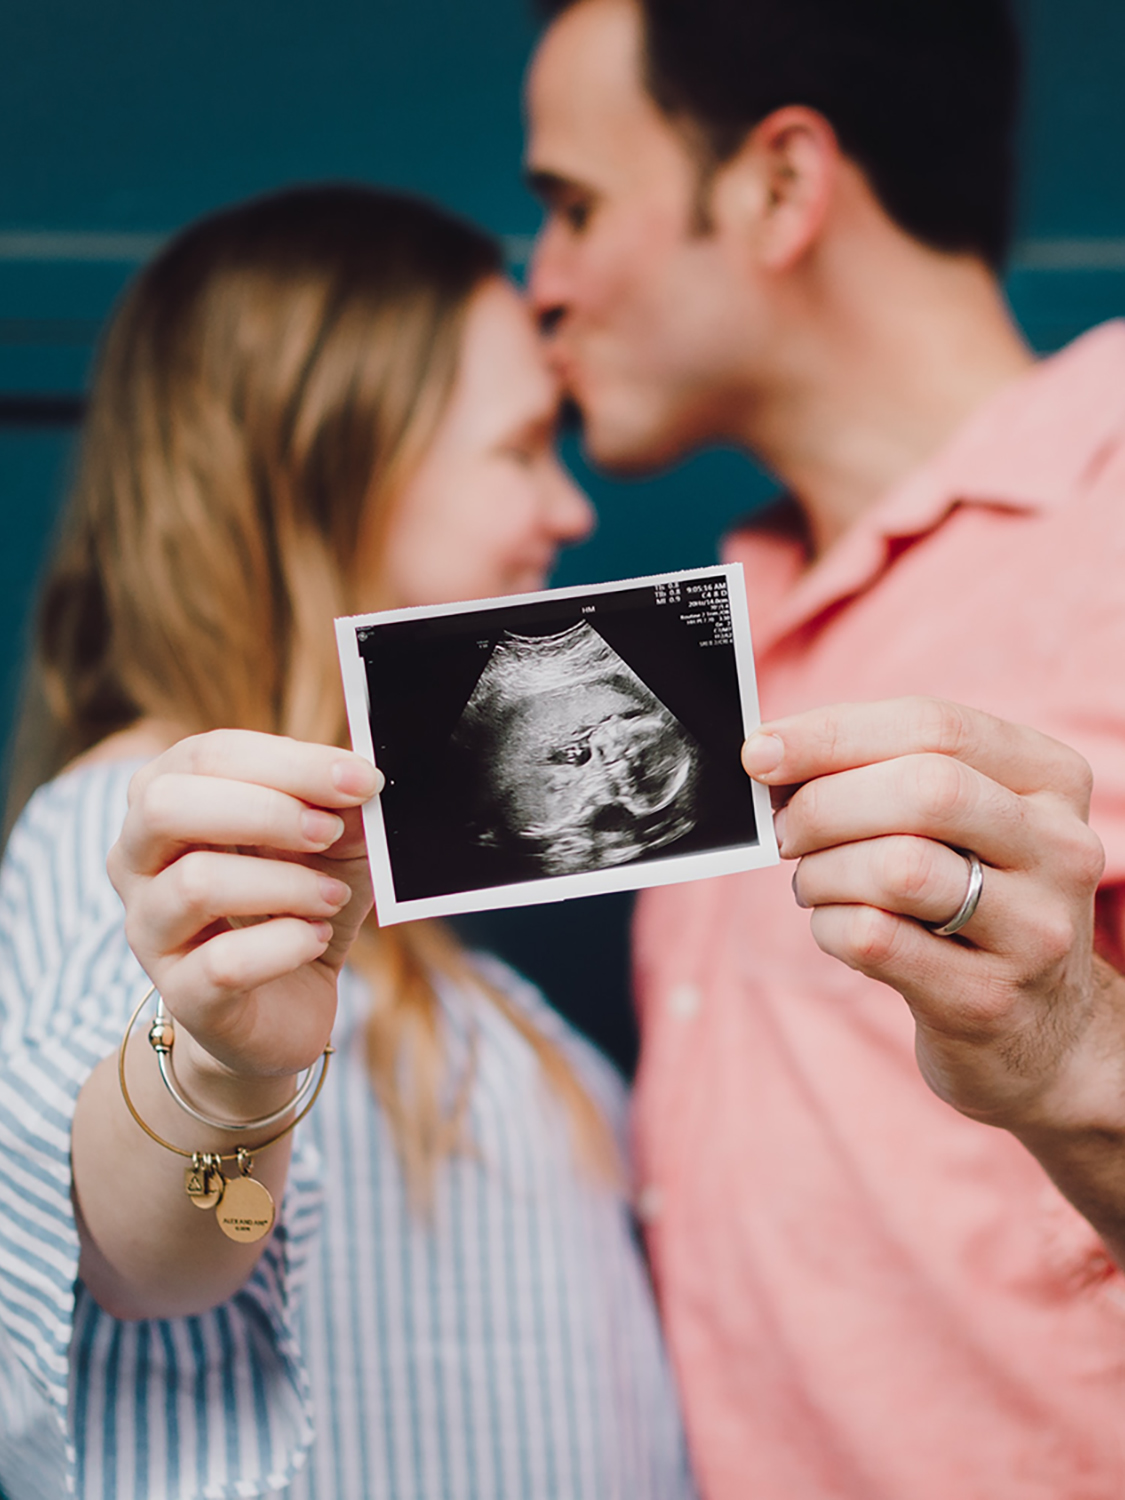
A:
774	194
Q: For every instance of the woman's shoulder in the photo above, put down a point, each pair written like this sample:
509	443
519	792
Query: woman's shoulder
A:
84	788
63	952
62	836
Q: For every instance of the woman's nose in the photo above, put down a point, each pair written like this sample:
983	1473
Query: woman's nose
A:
570	515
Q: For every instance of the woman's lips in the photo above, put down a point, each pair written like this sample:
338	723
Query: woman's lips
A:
565	367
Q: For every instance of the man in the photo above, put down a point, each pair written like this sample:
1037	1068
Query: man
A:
778	223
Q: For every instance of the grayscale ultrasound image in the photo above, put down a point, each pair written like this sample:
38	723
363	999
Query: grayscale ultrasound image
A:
579	763
557	737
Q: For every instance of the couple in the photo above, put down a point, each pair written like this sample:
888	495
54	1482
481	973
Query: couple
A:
767	223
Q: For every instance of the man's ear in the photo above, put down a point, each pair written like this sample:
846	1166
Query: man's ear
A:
775	192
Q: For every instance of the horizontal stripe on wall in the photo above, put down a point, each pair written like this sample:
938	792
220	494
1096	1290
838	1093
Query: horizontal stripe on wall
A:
1047	254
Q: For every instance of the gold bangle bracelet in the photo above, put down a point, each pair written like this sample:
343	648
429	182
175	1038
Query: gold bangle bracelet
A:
244	1207
161	1037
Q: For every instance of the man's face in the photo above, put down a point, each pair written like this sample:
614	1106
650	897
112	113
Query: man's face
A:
644	311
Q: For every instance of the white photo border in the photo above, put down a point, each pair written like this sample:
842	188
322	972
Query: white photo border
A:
656	871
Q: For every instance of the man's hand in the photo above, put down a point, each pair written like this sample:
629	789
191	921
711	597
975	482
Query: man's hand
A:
1019	1024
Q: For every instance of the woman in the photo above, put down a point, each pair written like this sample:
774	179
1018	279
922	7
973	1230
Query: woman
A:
322	402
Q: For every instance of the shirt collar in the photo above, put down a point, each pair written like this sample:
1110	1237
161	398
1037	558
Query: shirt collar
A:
1027	448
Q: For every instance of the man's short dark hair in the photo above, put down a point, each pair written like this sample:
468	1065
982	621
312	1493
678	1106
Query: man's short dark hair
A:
922	95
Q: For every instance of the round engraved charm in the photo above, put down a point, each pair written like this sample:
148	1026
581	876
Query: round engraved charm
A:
246	1210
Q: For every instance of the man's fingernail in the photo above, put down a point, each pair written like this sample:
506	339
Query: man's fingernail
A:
357	778
761	754
780	818
321	828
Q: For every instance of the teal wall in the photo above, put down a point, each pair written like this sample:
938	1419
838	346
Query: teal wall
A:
122	120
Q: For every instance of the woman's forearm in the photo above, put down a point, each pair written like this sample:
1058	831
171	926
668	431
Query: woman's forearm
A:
242	870
147	1251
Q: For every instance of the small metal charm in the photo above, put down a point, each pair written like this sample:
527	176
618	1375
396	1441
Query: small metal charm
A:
203	1180
161	1034
246	1212
245	1209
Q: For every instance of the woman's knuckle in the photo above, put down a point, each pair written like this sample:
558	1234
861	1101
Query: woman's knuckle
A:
137	783
205	752
195	882
280	819
156	806
221	967
134	931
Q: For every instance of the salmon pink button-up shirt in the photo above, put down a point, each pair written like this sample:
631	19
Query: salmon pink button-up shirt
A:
869	1297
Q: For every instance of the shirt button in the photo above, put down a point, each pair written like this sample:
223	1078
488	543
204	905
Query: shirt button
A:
650	1203
683	1000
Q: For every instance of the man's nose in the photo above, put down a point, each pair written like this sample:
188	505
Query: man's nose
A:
545	283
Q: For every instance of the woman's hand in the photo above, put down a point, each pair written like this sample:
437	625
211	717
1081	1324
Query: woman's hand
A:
244	877
242	868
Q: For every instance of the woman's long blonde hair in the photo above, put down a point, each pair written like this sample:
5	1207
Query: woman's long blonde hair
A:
267	380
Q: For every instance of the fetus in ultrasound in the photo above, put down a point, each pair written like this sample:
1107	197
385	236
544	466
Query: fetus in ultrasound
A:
578	762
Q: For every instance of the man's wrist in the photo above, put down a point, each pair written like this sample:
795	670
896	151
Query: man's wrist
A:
1083	1098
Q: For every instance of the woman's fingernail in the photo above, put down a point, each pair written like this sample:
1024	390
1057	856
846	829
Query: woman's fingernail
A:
323	931
357	778
321	828
762	753
334	892
780	818
804	905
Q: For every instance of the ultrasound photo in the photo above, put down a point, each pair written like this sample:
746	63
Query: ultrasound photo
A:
557	744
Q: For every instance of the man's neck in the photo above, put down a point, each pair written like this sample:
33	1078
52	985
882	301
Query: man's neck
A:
884	358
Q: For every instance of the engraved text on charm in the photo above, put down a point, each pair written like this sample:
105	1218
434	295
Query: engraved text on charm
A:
246	1211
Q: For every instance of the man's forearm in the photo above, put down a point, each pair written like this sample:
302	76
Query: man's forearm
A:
1080	1141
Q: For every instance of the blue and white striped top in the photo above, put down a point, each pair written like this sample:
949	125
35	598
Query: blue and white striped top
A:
506	1349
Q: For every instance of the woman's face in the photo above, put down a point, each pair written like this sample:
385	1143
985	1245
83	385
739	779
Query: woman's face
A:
489	505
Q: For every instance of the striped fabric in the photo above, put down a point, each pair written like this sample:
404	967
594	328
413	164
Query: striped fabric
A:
504	1348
